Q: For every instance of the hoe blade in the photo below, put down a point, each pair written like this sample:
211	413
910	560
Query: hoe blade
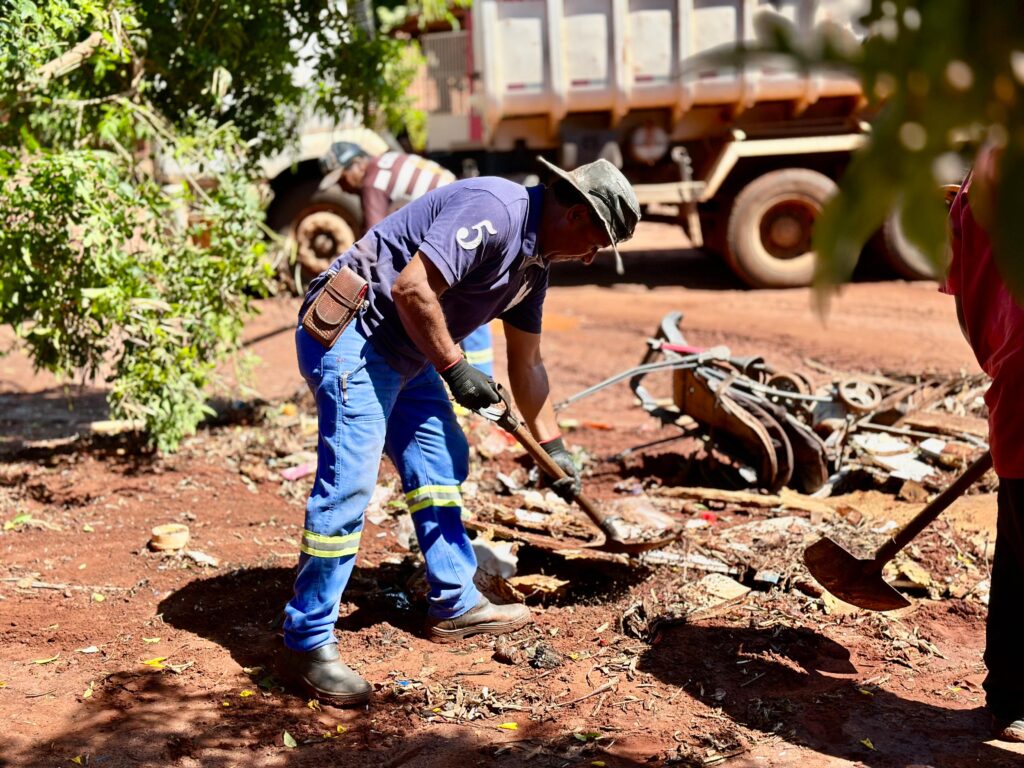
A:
854	581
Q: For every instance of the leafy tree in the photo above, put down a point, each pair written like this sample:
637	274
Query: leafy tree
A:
131	241
944	76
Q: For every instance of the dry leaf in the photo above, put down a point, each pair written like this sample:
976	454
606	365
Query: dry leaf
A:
289	741
88	691
246	694
87	528
97	597
90	649
509	726
151	639
867	743
155	663
46	661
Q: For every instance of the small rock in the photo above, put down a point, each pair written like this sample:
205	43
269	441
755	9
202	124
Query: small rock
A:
913	491
546	657
201	558
506	653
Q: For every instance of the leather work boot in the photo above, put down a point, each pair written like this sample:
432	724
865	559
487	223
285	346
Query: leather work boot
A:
322	672
483	618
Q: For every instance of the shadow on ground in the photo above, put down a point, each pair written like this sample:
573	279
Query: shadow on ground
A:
51	414
59	421
154	718
236	610
687	268
802	685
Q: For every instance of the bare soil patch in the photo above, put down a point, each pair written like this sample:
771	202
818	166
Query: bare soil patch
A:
114	655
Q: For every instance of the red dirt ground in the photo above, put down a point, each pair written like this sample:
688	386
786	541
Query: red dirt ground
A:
773	681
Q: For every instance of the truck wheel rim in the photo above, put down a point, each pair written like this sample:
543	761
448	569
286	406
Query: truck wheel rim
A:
786	228
320	235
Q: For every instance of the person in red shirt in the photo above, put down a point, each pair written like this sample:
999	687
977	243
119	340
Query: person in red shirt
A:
992	321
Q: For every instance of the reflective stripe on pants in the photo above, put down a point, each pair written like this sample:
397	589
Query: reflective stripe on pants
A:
479	349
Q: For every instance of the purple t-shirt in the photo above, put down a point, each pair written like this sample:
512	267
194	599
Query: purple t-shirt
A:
481	234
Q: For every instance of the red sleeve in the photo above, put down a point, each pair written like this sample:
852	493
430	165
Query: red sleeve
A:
375	206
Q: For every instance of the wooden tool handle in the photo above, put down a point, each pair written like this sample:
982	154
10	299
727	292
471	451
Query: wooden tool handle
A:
934	508
549	465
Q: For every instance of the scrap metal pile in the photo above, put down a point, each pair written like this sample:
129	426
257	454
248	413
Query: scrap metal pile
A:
783	431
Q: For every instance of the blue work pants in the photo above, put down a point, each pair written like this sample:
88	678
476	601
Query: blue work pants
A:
365	407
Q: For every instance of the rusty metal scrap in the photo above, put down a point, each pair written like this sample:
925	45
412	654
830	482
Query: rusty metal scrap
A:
809	429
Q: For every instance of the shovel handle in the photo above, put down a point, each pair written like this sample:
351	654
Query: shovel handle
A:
546	463
933	509
507	420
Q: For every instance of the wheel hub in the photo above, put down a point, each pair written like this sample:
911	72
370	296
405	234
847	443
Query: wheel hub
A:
320	237
786	229
324	244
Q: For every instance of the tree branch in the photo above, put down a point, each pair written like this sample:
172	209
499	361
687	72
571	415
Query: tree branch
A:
71	59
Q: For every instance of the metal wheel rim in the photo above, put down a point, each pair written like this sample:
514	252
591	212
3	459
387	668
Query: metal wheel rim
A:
786	227
314	227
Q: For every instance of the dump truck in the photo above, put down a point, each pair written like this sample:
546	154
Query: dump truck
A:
743	157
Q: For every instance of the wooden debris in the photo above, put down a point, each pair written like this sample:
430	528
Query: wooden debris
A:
787	498
534	584
610	685
946	423
712	595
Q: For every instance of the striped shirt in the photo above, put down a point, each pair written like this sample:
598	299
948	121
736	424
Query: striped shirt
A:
396	178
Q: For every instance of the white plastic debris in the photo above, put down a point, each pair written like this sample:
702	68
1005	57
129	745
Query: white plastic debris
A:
497	558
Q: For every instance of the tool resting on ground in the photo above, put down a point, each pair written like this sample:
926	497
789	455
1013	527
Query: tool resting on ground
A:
860	582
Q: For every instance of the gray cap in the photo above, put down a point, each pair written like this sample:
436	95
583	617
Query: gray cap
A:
608	194
338	158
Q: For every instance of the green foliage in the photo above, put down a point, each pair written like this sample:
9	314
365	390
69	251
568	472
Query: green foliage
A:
945	76
131	235
394	13
98	277
379	71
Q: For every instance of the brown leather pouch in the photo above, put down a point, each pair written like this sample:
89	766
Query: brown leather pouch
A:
338	302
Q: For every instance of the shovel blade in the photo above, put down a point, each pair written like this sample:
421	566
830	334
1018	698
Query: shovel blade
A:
854	581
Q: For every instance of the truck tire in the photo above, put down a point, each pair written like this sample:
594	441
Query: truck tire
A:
768	236
902	256
316	225
899	254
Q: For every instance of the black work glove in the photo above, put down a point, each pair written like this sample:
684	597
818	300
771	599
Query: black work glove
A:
567	487
472	388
